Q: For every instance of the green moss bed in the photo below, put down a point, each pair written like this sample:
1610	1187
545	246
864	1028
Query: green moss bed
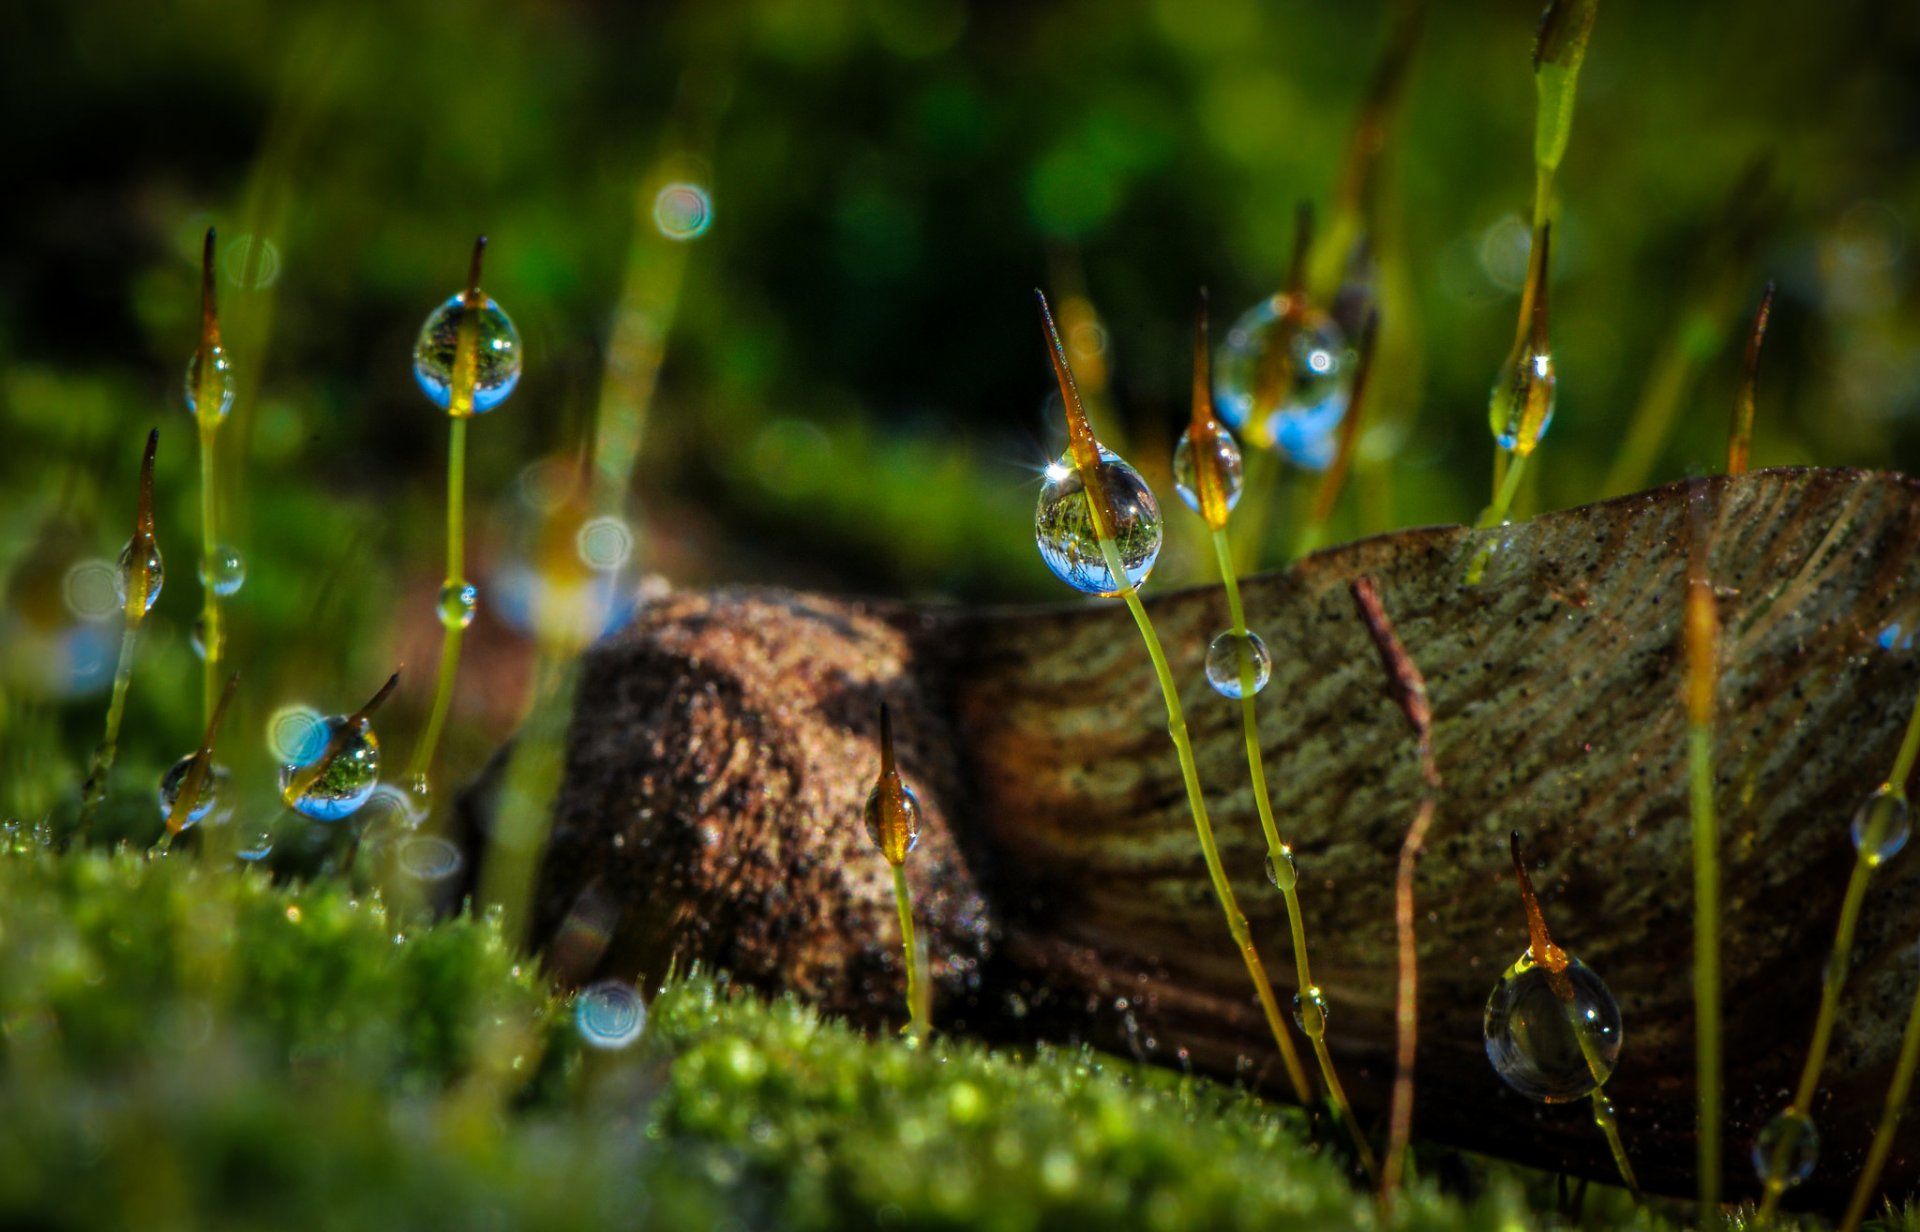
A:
182	1047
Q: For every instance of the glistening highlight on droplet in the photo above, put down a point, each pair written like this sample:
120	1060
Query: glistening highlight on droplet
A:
1238	664
348	777
1063	526
497	353
1282	375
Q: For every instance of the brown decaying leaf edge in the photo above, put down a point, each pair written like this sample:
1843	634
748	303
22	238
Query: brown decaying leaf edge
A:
720	752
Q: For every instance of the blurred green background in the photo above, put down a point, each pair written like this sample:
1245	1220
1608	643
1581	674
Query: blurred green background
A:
853	393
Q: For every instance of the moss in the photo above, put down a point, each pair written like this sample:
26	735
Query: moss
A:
193	1048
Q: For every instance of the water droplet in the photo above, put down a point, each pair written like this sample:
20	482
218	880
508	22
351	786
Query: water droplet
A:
152	573
604	543
1521	408
1281	870
225	571
1881	826
221	378
1226	463
345	780
429	858
1786	1149
420	797
896	830
1310	1011
497	368
296	734
1552	1036
91	589
610	1014
682	211
197	638
175	780
256	846
1297	373
1238	664
1063	526
457	604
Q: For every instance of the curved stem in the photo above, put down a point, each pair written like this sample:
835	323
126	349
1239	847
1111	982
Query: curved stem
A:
94	789
456	577
917	1024
1496	513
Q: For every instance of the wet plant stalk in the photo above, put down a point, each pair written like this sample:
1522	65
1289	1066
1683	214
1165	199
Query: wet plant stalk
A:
208	398
1834	975
1277	851
916	958
1496	514
1702	633
1897	1092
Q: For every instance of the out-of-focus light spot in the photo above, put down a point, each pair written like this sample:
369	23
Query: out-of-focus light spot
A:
682	211
1505	249
89	589
251	262
604	543
791	457
296	734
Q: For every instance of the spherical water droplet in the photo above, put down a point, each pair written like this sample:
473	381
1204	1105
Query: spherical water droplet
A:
1281	870
1238	664
154	570
174	781
256	845
429	858
1310	1011
197	638
1529	379
1552	1037
221	377
1881	826
1226	462
604	543
894	830
1063	526
345	781
610	1014
682	211
225	571
1786	1150
497	364
1302	390
457	604
296	734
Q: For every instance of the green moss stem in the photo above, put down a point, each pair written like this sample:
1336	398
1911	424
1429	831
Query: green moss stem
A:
94	789
209	548
452	632
917	1024
1706	964
1496	513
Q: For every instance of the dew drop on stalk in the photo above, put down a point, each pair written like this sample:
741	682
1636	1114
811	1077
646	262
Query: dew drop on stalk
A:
174	781
1791	1142
1229	466
1881	826
1285	378
222	377
1310	1011
457	604
225	572
1281	870
893	812
497	357
1526	380
1063	526
346	779
155	573
1238	664
1552	1036
256	846
609	1014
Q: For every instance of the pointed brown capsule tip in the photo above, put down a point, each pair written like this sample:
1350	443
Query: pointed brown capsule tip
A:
1756	336
1561	38
473	270
1740	438
143	517
1204	423
1542	269
373	703
886	741
1539	944
1086	450
209	303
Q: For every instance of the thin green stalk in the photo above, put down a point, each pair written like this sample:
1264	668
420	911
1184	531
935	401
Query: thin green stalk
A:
452	632
94	789
1706	963
1278	850
1603	1117
1496	514
917	1026
1897	1092
209	547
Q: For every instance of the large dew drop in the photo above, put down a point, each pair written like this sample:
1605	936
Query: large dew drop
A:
221	377
154	574
344	781
610	1014
1521	408
1285	382
1552	1036
457	604
1226	463
1238	664
1063	526
1786	1150
895	831
1881	826
174	781
497	364
1310	1011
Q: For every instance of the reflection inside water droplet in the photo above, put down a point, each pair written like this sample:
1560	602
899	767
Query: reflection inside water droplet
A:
1238	664
345	780
610	1014
1553	1037
497	363
1064	530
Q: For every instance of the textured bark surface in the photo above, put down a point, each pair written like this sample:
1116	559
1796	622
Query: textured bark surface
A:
721	750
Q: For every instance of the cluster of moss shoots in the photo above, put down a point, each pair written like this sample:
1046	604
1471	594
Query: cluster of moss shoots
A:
1287	378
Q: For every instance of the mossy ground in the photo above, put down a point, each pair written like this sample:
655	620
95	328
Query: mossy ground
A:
190	1048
